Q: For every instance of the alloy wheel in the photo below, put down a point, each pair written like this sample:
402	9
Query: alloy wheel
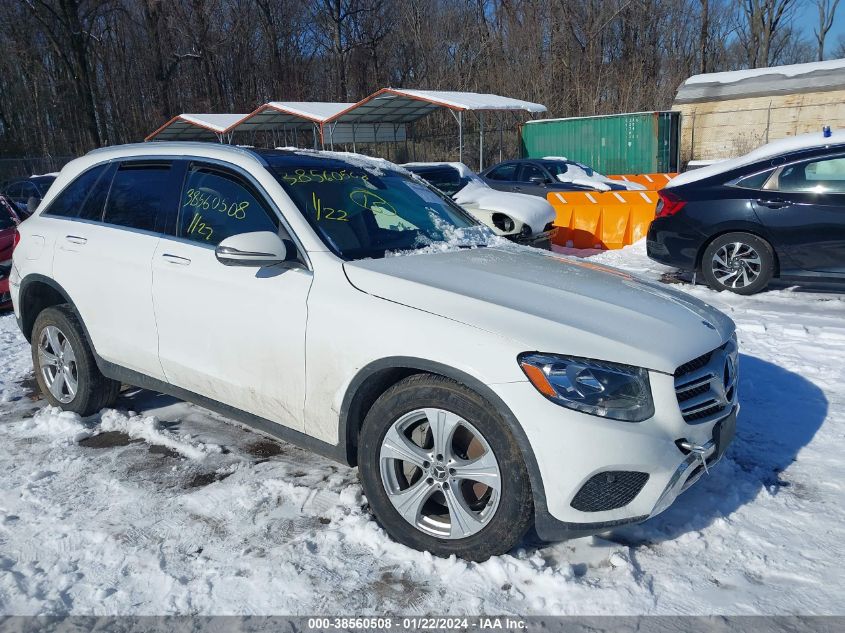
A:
57	363
440	473
736	265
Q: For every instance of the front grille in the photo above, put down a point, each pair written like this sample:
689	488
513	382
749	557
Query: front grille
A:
706	386
609	490
695	363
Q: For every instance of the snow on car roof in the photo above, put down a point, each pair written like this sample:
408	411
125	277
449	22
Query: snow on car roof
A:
463	170
770	150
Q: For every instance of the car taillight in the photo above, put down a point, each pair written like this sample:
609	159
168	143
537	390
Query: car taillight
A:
17	240
669	204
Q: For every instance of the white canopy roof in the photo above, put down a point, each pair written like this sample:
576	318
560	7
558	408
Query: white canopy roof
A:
185	127
392	105
277	115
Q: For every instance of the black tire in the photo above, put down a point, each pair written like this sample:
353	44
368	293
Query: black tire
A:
94	391
762	274
514	514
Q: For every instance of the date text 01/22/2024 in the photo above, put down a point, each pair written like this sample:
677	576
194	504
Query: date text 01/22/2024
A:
418	623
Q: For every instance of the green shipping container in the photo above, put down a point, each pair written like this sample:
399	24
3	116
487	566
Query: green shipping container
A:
636	143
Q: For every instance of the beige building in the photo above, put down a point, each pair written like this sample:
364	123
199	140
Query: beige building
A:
728	114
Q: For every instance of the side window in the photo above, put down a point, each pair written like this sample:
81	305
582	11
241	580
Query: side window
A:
503	172
139	195
529	171
818	176
71	199
755	181
217	204
95	203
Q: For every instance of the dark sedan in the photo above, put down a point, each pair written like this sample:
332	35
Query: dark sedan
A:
28	192
770	214
541	176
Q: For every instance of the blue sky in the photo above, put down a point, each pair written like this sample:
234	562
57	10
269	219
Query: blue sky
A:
807	16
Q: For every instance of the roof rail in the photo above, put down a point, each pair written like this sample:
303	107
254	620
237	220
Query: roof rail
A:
181	145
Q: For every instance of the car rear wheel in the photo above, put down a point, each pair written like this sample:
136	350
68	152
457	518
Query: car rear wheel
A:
442	472
740	262
64	364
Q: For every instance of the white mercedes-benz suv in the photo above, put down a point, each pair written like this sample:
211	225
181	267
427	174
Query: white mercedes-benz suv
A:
343	304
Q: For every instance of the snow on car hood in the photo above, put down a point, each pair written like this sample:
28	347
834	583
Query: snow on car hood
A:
534	211
551	304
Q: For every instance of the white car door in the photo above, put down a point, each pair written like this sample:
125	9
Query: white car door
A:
233	334
104	252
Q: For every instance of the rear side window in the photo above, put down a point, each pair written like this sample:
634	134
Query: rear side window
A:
72	198
217	204
755	181
139	196
818	176
504	172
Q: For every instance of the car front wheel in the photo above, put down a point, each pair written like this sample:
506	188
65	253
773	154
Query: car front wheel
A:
442	472
740	262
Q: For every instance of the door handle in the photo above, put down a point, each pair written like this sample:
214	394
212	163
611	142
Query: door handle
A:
516	188
776	203
175	259
75	239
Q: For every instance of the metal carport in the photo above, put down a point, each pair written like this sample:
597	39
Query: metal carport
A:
190	127
392	108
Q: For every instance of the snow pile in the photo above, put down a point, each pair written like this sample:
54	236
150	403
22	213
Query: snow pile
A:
149	429
584	176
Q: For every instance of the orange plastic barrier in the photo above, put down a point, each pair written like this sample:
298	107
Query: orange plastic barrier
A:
609	219
652	182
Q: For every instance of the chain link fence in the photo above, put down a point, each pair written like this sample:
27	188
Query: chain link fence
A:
31	165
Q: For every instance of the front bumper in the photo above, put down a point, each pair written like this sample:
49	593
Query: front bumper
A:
573	449
537	240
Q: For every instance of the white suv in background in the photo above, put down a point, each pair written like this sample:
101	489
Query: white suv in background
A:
345	305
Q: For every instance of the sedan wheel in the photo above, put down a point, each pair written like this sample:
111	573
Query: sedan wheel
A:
736	265
740	262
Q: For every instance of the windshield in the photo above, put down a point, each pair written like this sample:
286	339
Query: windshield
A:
362	212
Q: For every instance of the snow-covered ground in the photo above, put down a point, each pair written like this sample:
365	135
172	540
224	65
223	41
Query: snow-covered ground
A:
160	507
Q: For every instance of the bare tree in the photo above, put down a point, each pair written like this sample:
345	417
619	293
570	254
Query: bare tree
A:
764	20
827	9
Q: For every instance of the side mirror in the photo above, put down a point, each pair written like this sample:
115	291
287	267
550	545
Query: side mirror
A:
261	248
537	180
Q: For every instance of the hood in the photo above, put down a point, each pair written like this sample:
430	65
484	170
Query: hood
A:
534	211
551	304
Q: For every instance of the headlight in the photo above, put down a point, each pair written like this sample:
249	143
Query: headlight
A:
608	390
